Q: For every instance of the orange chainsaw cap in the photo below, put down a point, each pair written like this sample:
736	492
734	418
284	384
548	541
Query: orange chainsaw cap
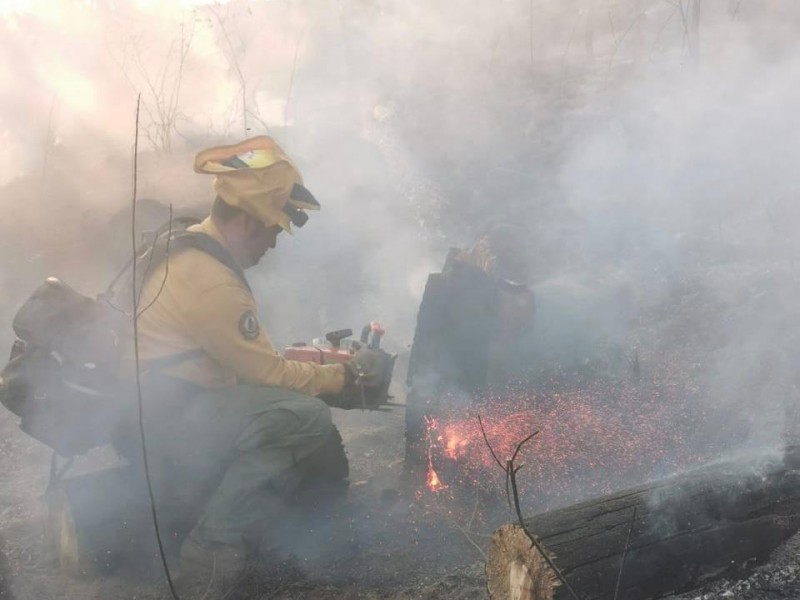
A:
256	176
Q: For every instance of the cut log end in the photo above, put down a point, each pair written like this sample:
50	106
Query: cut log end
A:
515	570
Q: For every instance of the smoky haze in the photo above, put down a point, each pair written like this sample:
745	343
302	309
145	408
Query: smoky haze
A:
649	148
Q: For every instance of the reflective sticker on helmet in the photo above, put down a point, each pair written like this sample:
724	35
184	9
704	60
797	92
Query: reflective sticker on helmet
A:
248	325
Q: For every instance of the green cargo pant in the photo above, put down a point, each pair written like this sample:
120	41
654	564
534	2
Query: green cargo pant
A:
246	438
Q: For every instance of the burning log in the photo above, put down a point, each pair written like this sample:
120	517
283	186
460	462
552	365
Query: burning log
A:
716	521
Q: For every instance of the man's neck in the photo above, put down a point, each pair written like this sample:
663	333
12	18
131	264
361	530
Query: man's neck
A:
224	236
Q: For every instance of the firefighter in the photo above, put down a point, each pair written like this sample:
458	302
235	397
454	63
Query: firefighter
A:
228	416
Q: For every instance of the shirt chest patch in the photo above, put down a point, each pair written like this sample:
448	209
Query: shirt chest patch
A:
248	325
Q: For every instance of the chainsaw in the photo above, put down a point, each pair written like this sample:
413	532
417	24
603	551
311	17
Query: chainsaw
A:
339	347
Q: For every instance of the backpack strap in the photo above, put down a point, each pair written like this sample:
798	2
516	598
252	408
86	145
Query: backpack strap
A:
205	243
148	257
176	226
159	364
181	240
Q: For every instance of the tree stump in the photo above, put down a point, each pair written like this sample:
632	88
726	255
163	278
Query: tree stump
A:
716	521
101	520
513	571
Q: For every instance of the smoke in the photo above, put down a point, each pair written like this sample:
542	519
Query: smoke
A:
648	147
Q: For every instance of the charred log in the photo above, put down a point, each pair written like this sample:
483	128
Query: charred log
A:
717	521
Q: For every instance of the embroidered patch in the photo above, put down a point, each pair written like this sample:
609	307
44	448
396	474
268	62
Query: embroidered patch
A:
248	325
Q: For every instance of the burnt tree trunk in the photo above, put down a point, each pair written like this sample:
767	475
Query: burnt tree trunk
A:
716	521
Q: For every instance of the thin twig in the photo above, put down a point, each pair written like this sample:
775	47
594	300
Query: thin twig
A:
211	578
685	21
571	36
658	35
530	32
511	473
508	488
534	542
474	509
466	534
625	553
48	136
622	39
236	67
234	587
291	85
494	456
136	359
465	531
521	444
150	253
166	269
611	22
497	460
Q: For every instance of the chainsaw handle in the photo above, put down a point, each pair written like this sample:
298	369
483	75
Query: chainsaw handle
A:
372	341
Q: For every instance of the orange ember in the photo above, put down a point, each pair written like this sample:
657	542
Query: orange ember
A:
593	438
453	443
433	482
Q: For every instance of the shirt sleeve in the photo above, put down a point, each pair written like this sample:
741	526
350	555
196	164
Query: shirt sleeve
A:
223	322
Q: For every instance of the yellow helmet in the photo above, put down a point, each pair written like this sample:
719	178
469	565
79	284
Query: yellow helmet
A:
256	176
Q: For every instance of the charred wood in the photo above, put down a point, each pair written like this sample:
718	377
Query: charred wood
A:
716	521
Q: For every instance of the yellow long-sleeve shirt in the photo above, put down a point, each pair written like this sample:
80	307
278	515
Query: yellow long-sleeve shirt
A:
203	305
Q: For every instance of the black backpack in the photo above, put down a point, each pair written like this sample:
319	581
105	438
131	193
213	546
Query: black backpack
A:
63	378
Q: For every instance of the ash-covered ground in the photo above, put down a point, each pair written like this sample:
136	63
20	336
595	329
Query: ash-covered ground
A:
778	578
387	541
648	148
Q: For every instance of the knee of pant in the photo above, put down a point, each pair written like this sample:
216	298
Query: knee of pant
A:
318	415
299	421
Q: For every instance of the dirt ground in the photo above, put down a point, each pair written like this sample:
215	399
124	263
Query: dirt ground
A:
390	543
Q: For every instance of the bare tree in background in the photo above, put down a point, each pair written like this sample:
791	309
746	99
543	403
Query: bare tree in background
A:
159	77
234	46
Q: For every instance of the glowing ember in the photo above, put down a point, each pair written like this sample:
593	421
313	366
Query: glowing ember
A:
594	437
432	482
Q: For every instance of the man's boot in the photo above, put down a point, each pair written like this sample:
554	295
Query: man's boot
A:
207	569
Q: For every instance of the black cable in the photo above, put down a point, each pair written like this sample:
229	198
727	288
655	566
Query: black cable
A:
138	373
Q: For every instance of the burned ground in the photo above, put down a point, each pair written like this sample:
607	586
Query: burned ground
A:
385	543
650	154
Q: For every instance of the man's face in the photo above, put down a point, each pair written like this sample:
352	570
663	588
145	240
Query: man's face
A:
257	239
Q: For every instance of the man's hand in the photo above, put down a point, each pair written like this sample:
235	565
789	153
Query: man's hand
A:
367	378
369	368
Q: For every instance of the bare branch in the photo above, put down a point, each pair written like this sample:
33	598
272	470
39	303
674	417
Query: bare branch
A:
530	34
468	535
611	22
488	445
535	543
291	85
512	471
166	269
660	32
625	553
522	443
234	62
622	38
571	35
136	359
474	509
